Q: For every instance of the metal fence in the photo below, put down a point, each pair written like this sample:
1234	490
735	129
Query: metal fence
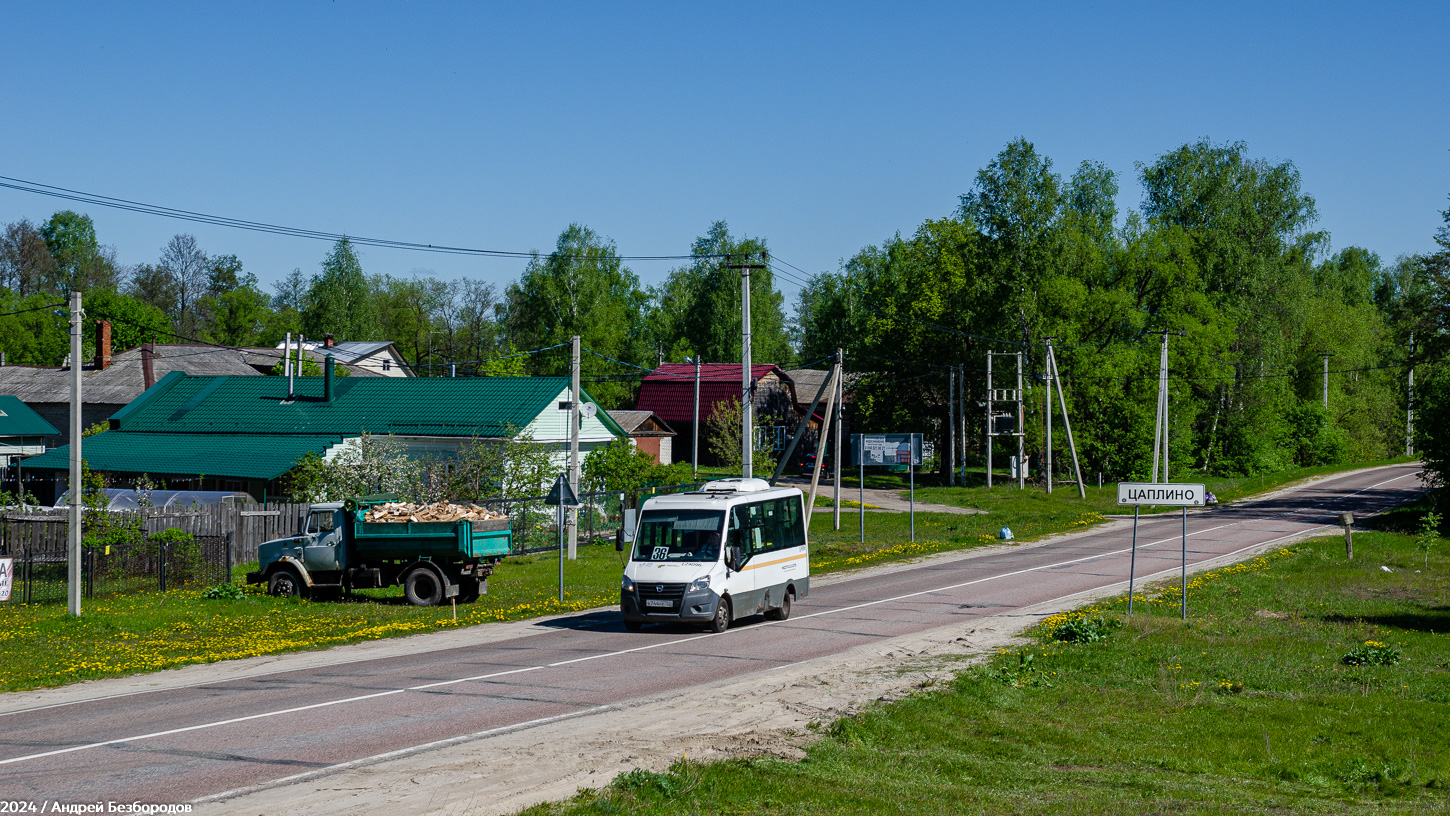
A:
40	575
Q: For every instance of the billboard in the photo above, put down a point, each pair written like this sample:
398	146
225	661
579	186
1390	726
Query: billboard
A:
879	450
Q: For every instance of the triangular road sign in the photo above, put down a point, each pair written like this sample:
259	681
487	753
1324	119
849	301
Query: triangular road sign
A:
561	493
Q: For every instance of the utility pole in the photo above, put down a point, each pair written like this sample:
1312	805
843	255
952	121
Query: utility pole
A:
574	396
1160	444
1410	403
836	459
1047	419
989	420
695	426
1326	381
747	383
1066	422
952	426
77	500
1021	428
962	421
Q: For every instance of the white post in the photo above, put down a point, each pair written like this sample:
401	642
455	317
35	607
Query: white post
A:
1021	428
952	426
747	401
1159	443
1410	403
989	420
1047	417
575	394
695	426
287	364
77	501
840	395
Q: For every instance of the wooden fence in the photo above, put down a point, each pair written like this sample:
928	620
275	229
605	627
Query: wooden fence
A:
246	527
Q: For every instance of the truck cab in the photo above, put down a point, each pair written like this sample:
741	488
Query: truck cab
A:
735	548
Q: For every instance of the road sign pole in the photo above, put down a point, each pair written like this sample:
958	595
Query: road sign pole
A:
911	469
560	519
1185	562
1133	560
862	449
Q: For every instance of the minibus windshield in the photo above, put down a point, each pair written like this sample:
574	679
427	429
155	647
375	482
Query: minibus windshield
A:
678	535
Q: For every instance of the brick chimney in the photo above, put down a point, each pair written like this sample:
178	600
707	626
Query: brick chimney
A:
103	344
148	370
327	341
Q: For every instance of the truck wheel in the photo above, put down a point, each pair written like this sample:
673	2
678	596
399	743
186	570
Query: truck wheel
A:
781	612
285	583
721	621
423	587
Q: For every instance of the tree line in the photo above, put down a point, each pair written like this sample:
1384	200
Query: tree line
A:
1222	254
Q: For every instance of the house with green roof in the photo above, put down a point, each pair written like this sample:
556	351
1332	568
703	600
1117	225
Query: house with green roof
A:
22	433
247	433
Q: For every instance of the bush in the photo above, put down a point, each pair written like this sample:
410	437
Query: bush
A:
1080	629
223	592
1372	653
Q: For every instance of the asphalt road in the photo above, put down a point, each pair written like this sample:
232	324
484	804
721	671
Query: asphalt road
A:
183	744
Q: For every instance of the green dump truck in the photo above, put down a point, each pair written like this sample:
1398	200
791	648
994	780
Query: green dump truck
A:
338	550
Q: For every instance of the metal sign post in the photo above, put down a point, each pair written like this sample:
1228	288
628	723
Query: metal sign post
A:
1160	494
560	496
886	449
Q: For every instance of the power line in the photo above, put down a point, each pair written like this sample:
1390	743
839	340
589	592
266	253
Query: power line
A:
35	309
300	232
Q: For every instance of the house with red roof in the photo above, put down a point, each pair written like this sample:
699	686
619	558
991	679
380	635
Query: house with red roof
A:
669	391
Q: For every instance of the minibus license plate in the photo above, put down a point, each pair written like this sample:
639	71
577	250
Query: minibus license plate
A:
660	603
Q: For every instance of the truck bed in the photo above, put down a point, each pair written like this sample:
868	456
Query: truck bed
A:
440	540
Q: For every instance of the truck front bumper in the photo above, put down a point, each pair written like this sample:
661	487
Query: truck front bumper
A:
256	577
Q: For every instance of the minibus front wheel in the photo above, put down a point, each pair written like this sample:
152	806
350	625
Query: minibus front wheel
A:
721	621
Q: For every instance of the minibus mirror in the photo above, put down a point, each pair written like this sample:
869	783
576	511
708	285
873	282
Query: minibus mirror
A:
619	540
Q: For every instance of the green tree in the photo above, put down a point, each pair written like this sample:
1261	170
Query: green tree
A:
580	288
340	300
80	261
697	307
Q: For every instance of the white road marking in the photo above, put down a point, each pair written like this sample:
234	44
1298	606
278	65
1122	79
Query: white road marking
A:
267	714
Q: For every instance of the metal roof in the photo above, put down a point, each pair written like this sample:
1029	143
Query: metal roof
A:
159	454
419	406
16	419
669	391
123	380
632	421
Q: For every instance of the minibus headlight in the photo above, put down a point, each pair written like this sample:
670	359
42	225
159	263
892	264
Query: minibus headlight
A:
626	585
703	582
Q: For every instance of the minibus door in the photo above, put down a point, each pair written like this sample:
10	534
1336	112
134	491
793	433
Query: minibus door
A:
740	584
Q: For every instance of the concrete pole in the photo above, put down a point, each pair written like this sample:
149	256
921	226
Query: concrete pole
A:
695	426
1021	428
747	397
962	421
989	420
1158	442
1410	403
77	500
1326	382
1067	423
840	394
1047	419
574	397
952	426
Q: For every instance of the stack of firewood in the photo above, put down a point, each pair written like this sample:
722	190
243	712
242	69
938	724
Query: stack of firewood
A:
435	511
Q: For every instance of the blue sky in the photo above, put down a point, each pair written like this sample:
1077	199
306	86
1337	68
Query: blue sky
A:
821	127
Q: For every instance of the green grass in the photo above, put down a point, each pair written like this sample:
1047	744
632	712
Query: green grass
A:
1245	708
40	645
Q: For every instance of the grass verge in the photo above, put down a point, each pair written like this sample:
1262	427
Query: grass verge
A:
1253	705
41	645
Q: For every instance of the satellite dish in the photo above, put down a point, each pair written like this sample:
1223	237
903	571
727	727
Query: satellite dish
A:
588	410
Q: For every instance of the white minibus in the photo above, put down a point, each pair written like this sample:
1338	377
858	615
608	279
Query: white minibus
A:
734	548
